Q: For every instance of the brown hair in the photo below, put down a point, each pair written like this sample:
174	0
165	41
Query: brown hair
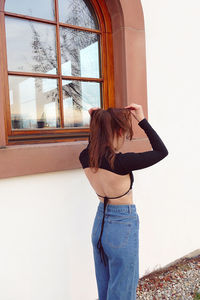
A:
103	125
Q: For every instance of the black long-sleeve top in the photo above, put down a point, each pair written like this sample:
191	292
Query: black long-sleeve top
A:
127	162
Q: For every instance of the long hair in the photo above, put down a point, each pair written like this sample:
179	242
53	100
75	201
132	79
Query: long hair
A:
104	124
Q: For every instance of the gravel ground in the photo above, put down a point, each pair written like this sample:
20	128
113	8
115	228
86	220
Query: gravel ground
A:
180	281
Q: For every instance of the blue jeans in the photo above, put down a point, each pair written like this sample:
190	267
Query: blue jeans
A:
117	280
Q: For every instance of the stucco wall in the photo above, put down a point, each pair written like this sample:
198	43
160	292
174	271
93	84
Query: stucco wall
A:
172	187
45	228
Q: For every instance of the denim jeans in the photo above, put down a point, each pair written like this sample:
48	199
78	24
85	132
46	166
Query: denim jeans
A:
117	280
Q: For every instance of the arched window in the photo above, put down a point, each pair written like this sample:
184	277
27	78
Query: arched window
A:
58	63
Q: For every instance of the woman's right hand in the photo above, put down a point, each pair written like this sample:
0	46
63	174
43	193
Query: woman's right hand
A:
136	110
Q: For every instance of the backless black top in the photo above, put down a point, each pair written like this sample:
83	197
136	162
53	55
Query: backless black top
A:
127	162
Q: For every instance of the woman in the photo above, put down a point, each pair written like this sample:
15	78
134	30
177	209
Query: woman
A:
115	230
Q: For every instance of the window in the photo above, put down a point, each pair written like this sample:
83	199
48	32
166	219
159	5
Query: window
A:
62	81
57	68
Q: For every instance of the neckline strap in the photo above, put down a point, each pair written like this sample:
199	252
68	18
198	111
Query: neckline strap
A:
101	252
105	203
99	245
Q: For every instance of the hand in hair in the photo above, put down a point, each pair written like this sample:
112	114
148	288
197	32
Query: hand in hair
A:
91	109
138	111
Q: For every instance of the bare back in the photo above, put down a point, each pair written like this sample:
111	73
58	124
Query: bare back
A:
113	183
107	183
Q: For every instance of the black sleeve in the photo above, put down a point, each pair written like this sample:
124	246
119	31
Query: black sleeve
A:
130	161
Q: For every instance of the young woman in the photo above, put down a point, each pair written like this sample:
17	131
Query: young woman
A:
115	229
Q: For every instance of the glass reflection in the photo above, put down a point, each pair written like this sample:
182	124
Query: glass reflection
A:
31	46
34	102
32	8
77	12
78	97
79	53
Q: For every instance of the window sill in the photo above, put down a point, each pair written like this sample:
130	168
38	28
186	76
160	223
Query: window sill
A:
20	160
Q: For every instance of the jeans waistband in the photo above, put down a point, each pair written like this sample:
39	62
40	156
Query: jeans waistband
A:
126	208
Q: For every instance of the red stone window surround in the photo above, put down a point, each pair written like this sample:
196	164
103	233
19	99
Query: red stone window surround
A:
124	80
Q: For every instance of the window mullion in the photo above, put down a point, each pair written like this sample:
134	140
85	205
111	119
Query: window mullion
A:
59	65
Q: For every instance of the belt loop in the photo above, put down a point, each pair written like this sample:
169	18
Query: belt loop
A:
129	209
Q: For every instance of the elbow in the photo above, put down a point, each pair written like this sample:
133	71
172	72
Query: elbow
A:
165	152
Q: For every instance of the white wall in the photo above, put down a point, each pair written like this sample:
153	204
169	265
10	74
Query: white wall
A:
168	194
46	219
45	230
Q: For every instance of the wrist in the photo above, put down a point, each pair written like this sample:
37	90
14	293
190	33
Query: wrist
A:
140	118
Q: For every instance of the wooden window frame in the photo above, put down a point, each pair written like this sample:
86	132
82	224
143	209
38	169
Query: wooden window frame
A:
19	136
124	40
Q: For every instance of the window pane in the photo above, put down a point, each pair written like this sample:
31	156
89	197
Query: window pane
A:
32	8
78	97
77	12
31	46
34	102
79	53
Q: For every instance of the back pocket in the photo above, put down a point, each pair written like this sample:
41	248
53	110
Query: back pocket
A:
117	233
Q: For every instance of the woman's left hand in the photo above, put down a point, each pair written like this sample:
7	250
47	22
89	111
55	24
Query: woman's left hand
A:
91	109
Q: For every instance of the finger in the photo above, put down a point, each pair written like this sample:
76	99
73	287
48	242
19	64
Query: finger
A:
92	108
130	107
